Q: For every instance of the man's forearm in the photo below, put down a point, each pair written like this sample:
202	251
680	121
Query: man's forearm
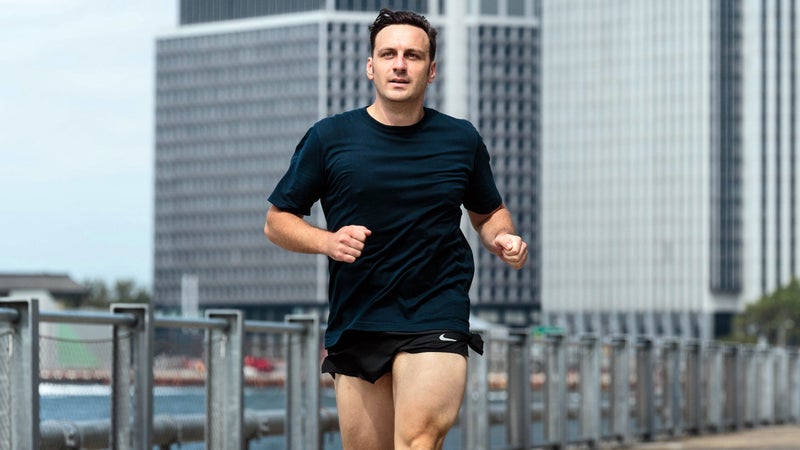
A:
293	233
499	236
491	225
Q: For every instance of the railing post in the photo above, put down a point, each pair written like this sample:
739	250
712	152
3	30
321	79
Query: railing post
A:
224	381
733	397
750	388
692	388
132	354
302	384
591	410
781	384
555	426
475	428
19	376
519	390
673	411
620	394
794	385
713	385
766	380
645	392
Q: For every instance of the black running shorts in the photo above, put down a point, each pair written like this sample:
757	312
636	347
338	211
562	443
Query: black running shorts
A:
369	355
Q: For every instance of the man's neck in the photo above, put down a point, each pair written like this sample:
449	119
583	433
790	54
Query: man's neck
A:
396	115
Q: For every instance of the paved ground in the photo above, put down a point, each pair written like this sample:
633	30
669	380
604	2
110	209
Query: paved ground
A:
784	437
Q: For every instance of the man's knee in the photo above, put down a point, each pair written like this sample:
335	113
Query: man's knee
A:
418	434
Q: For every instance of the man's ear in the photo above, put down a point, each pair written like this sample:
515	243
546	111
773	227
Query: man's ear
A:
432	72
370	73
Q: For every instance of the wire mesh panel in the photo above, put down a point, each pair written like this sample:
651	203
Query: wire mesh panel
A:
74	362
179	376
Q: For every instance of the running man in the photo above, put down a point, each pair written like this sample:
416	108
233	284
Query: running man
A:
392	178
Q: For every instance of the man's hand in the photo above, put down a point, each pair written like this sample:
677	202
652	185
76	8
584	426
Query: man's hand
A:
511	249
346	244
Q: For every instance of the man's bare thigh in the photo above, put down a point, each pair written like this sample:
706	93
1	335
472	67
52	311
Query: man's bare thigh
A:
428	391
366	412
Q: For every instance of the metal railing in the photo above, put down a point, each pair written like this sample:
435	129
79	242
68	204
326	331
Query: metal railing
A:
580	389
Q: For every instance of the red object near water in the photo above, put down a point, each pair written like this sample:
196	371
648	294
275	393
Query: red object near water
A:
260	364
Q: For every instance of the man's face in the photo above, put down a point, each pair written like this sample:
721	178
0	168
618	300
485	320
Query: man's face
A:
400	65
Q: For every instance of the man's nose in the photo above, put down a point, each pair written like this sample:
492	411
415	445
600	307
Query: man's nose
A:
399	63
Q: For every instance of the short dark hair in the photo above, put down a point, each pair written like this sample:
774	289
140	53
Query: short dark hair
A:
388	17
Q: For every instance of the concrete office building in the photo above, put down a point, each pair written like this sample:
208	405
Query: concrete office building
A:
238	84
669	161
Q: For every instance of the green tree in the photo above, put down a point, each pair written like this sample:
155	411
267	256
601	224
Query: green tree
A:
126	291
99	297
776	317
123	291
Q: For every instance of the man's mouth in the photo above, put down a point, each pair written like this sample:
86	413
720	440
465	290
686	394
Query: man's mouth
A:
399	81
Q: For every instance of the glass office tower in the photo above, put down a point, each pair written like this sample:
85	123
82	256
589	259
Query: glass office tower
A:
669	161
238	84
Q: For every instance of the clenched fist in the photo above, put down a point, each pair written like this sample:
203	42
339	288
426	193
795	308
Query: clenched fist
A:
346	244
511	249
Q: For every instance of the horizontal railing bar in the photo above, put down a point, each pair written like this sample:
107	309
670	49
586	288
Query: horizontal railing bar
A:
172	429
260	326
183	322
99	318
92	318
510	339
9	315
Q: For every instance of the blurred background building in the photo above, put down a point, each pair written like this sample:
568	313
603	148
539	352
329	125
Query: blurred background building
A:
669	161
665	197
238	82
54	291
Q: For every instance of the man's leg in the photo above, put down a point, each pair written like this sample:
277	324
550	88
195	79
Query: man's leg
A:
428	390
366	413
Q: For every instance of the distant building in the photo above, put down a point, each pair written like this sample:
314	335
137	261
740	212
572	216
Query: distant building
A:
52	290
670	193
237	85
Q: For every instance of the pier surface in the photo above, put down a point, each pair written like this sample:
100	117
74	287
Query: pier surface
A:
782	437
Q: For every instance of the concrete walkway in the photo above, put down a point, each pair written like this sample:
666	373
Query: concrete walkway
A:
783	437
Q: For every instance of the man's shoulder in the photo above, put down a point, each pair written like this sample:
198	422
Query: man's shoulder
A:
351	116
451	123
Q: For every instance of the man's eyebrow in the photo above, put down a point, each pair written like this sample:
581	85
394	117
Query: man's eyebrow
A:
392	48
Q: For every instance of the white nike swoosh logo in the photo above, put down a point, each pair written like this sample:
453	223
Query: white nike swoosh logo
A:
446	339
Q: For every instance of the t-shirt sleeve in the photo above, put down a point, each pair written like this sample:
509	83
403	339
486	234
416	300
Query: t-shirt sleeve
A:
482	196
301	186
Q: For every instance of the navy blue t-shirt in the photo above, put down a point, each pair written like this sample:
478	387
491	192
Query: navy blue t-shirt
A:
406	184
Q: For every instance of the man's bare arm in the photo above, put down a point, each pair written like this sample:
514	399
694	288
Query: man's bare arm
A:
293	233
498	235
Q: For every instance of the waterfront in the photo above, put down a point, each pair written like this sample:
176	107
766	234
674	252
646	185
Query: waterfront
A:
83	402
78	402
584	388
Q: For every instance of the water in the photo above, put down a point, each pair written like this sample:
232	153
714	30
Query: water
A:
92	402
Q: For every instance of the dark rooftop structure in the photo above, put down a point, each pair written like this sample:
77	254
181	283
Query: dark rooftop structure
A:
60	286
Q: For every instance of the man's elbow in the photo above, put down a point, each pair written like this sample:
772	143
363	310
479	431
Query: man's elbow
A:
266	230
269	231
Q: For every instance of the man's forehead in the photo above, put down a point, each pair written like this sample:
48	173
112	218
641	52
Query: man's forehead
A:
402	34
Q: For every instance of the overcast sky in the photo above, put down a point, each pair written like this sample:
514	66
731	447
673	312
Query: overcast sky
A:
76	136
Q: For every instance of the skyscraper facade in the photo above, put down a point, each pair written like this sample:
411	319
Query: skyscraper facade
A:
238	82
669	161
